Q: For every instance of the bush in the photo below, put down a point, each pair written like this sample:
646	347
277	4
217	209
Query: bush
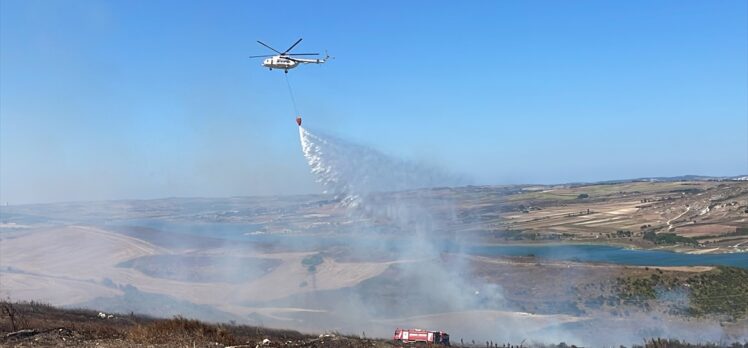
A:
721	291
668	238
312	261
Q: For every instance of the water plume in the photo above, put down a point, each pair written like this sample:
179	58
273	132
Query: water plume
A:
351	171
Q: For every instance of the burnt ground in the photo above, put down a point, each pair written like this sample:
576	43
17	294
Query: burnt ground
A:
39	325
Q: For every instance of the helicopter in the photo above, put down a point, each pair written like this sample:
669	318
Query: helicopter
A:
285	61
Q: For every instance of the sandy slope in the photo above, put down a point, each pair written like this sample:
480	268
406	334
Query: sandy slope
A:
64	265
69	265
46	289
74	251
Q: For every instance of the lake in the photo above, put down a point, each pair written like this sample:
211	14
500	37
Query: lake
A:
561	252
612	254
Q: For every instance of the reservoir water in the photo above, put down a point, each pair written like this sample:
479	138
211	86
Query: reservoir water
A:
613	254
562	252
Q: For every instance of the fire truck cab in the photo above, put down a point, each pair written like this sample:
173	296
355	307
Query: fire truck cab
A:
406	336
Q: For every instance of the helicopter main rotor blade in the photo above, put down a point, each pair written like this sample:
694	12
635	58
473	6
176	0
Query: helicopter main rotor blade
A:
292	46
302	54
262	43
269	55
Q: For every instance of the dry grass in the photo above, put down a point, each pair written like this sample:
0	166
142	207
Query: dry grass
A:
83	328
87	326
180	330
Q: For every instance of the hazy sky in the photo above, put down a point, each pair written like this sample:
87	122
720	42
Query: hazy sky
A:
145	99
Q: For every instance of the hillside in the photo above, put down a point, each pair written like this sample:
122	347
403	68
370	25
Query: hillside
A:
40	325
35	324
706	216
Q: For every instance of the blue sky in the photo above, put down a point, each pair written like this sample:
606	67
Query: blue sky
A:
145	99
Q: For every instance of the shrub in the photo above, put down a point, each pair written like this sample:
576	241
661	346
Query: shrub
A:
312	261
180	329
668	238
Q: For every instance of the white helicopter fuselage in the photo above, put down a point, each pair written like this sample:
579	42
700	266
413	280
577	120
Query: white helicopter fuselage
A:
283	63
278	62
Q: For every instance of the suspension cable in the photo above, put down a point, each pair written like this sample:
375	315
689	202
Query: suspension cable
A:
293	99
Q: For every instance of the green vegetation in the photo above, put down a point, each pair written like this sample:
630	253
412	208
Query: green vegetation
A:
721	292
668	238
623	234
509	235
528	235
635	291
645	292
312	261
583	196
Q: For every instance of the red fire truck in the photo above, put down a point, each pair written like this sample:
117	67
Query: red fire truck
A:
417	335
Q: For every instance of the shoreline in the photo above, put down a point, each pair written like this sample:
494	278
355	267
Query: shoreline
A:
678	249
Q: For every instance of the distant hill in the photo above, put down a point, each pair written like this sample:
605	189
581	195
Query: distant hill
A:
667	179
